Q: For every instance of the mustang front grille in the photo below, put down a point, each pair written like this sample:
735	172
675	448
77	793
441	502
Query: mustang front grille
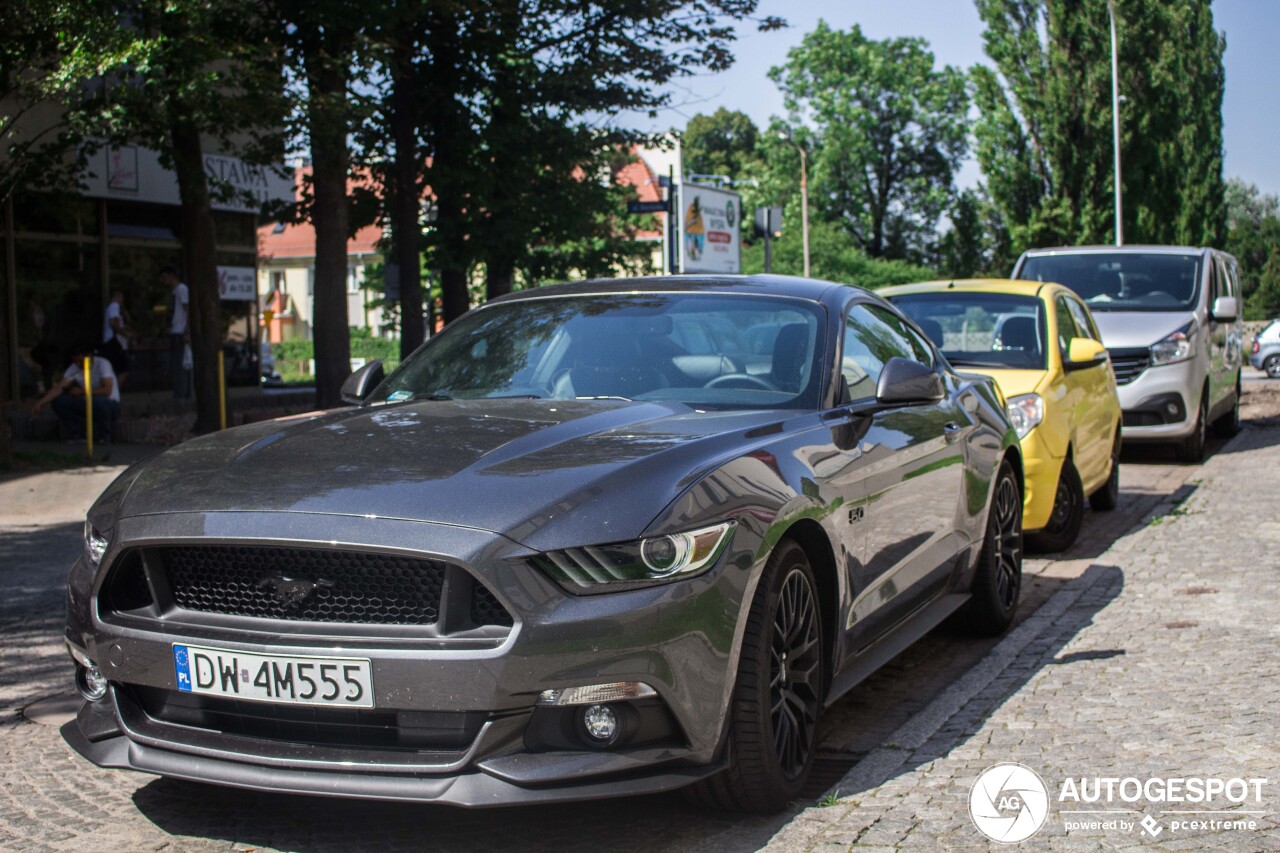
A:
301	584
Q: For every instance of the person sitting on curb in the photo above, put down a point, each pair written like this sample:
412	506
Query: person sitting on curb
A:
67	395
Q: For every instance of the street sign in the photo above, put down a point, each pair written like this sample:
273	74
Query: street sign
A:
647	207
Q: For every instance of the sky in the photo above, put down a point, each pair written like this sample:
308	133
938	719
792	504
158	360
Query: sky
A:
1251	111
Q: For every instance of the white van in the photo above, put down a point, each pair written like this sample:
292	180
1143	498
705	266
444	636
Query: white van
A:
1170	319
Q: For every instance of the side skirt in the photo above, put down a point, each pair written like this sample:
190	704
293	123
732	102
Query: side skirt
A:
894	643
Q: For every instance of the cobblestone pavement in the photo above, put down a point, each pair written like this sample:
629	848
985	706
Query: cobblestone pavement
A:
1158	661
924	715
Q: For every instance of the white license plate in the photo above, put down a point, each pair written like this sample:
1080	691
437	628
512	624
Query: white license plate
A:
342	682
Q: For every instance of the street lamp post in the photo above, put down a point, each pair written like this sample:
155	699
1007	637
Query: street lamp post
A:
1115	121
804	196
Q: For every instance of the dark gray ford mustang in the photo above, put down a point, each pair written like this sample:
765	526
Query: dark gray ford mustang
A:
596	539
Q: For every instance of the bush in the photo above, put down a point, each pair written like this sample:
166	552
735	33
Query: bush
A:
293	357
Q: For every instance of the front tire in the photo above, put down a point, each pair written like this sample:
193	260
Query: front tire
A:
1191	448
1106	498
997	582
777	698
1229	424
1067	516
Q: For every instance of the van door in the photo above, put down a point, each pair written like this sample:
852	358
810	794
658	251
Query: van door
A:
1221	338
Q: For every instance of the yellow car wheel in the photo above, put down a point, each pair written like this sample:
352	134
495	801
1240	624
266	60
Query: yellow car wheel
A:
1067	516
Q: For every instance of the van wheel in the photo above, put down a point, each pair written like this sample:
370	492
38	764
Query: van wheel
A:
1108	496
1067	516
1272	366
1229	424
1191	448
777	698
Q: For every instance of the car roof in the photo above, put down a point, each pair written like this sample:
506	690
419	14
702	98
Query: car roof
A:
774	285
1135	249
970	285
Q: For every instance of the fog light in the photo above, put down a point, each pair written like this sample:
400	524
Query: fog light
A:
600	724
90	681
1171	408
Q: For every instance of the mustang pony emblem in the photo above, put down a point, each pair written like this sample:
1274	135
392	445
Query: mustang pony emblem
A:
291	592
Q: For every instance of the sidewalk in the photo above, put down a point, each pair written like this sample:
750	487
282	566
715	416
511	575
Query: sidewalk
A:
1159	661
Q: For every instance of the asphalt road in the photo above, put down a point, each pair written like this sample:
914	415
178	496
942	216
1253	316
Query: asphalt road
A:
54	800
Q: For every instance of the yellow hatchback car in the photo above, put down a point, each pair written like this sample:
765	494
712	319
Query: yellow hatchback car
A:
1039	342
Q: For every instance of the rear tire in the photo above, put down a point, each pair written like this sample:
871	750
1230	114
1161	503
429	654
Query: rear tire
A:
997	582
1191	448
1106	498
1272	366
1067	516
1229	424
777	698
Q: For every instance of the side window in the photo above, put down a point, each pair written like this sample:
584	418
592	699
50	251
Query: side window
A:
1224	277
1216	285
1066	325
870	341
919	349
1084	323
1233	276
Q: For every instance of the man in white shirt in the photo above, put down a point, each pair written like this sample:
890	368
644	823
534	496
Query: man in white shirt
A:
67	395
179	329
115	340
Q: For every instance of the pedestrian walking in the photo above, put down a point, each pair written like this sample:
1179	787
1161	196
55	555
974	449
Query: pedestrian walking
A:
179	333
115	336
67	395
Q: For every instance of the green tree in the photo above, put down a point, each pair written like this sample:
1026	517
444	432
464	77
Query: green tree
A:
1254	239
889	133
723	143
1044	137
182	76
963	250
834	256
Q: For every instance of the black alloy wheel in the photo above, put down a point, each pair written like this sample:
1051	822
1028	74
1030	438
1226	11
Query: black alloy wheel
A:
997	580
777	698
1108	495
795	663
1067	516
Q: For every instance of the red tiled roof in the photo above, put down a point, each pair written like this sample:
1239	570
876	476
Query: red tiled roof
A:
299	240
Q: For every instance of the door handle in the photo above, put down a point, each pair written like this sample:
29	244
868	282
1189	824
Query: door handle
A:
951	432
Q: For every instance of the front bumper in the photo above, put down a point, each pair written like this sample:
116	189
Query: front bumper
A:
1041	469
1144	401
663	636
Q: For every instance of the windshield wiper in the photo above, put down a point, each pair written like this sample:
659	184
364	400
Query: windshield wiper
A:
970	362
516	397
606	397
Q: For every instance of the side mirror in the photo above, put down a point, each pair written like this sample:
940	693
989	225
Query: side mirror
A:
1084	352
360	384
903	381
1225	309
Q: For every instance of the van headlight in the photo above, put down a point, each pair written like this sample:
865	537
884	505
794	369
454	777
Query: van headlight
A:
1179	346
1025	411
644	562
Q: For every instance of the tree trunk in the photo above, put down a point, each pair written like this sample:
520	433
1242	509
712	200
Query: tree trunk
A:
199	245
406	228
330	216
499	276
451	251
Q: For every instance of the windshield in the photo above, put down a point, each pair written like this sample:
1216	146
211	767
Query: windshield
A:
992	330
1122	281
721	351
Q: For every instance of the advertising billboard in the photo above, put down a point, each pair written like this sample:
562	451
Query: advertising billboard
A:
709	238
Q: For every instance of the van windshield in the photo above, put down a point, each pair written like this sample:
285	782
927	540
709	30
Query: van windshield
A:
1122	281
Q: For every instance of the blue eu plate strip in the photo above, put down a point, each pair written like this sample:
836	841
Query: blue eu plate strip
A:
182	665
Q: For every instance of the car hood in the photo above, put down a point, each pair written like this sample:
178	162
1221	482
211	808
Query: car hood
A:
1011	382
1124	329
516	467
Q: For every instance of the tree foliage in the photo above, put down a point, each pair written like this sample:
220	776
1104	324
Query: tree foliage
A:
1044	138
889	132
1254	239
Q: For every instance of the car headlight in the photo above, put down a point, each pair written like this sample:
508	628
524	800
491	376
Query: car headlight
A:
645	562
1025	411
95	544
1179	346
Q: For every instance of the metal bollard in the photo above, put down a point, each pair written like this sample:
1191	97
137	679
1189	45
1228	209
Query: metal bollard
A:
88	404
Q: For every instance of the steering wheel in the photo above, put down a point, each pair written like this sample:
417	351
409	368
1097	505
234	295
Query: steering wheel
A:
741	380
